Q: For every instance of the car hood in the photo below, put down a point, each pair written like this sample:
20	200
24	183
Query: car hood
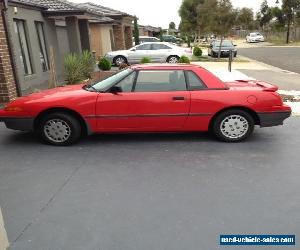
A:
58	93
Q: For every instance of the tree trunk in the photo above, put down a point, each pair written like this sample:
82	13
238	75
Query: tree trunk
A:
219	52
288	31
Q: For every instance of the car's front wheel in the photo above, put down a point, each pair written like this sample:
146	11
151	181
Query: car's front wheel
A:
59	129
233	125
173	59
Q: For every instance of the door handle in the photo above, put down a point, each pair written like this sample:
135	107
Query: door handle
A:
178	98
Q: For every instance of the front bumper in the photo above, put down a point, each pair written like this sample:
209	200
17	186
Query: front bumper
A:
18	123
270	119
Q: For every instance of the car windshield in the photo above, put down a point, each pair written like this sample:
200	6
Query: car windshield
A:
110	81
225	43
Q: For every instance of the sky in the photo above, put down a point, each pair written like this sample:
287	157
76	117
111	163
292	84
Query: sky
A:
160	13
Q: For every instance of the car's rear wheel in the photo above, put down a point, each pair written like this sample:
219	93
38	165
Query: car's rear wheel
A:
233	125
119	60
59	129
173	59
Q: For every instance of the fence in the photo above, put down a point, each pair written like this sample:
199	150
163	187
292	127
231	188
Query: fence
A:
274	35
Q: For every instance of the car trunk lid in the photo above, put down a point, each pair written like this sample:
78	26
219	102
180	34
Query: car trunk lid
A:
252	84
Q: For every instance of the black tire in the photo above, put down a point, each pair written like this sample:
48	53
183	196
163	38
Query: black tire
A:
214	55
170	58
71	127
122	58
220	121
235	54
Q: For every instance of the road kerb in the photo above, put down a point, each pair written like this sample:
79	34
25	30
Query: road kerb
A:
4	244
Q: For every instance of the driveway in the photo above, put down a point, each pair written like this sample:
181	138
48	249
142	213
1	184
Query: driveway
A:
286	58
162	191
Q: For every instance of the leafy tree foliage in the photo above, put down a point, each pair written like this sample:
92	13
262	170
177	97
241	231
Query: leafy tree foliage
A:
172	25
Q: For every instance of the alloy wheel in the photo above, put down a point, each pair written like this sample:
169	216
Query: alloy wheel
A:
234	126
57	130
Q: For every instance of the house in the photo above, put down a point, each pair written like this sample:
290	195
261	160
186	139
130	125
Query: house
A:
114	34
147	30
173	32
36	34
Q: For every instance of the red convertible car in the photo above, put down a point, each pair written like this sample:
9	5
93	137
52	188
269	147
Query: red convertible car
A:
149	98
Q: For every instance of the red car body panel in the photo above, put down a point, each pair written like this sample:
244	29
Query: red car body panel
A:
154	111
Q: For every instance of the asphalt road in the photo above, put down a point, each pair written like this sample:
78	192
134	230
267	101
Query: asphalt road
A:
287	58
162	191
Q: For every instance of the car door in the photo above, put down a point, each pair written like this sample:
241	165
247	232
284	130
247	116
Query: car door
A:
160	52
136	54
158	101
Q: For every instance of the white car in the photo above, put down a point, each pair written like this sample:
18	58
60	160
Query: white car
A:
255	38
158	52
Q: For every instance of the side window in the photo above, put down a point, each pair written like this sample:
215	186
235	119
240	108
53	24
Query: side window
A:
127	83
160	81
195	83
144	47
157	46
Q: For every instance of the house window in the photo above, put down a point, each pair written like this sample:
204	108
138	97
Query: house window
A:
42	44
19	27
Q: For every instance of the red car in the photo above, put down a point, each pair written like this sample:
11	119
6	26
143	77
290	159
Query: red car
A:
149	98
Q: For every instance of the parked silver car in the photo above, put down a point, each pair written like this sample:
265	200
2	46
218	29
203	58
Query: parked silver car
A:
159	52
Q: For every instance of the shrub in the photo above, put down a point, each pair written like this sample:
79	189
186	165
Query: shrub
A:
73	68
197	51
145	60
104	64
184	59
88	64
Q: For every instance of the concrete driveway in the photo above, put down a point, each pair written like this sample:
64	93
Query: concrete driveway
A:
286	58
162	191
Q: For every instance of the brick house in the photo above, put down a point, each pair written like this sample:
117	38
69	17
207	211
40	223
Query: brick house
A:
32	32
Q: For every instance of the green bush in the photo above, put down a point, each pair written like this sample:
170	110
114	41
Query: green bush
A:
184	59
73	69
197	51
145	60
104	64
88	64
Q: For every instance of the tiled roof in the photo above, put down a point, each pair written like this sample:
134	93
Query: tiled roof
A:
101	10
51	5
102	14
29	3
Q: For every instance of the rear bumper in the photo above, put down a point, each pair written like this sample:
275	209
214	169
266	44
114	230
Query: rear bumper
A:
16	123
270	119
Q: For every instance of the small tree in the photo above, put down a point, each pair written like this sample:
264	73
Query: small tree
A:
264	15
245	18
172	25
224	20
291	9
136	32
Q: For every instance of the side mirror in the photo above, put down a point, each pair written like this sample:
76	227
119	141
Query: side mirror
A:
234	45
115	90
133	49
